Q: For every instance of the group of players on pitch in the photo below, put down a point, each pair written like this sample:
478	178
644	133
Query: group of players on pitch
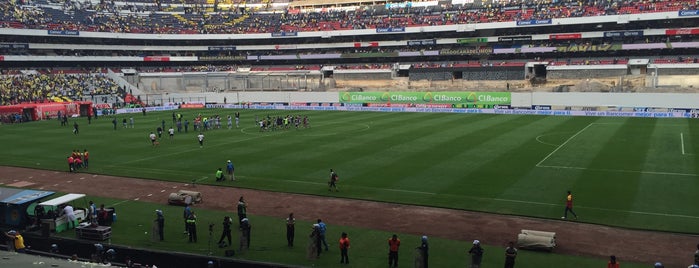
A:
282	122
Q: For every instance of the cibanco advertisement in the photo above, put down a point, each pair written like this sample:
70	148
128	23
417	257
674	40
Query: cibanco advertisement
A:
459	99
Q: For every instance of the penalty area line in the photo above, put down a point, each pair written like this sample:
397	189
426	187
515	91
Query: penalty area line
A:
563	144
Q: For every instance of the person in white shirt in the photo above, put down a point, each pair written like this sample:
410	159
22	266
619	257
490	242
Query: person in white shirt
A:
70	216
153	139
171	131
200	137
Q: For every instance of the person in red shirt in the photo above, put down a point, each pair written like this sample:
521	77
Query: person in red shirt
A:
393	245
78	163
569	206
71	161
612	262
344	246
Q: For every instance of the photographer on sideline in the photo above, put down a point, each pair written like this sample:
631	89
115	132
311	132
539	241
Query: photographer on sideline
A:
227	221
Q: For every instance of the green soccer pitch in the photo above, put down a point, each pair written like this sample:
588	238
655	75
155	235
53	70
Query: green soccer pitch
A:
628	172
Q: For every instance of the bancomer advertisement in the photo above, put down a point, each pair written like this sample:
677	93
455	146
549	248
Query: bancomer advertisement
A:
466	98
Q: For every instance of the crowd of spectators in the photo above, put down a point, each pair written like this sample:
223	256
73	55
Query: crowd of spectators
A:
47	85
106	16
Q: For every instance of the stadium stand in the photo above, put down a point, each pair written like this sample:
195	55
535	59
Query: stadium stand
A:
142	18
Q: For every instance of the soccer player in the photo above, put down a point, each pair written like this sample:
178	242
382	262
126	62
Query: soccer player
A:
200	137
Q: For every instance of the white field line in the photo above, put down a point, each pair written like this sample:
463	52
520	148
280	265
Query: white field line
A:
354	186
563	144
596	208
682	141
623	171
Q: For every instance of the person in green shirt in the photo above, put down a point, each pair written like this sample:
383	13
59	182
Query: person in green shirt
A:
219	175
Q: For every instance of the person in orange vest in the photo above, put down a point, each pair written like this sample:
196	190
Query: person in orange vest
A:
86	156
569	206
613	263
344	246
393	245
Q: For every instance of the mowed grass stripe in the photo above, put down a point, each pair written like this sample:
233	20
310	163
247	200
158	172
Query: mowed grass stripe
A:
387	162
620	191
540	189
475	177
325	152
665	151
392	163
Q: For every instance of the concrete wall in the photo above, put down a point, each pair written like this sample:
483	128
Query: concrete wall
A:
436	75
235	97
494	73
581	74
678	80
363	76
592	99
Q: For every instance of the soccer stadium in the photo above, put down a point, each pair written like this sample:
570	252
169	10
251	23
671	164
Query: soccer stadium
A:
296	133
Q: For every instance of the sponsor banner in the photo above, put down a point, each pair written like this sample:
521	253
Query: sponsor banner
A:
684	31
278	57
431	105
284	34
2	58
156	58
370	55
468	51
221	58
686	13
418	53
149	109
514	38
319	56
400	105
541	107
524	50
644	46
278	47
623	34
192	105
586	48
685	45
14	46
63	32
457	98
473	40
426	42
369	44
222	48
502	107
534	22
399	5
565	36
390	30
681	110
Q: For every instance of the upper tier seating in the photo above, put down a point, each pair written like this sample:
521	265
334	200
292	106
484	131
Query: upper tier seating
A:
108	17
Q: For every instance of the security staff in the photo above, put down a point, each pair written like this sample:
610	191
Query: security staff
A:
192	227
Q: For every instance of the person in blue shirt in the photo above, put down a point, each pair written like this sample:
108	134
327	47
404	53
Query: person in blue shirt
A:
323	228
230	169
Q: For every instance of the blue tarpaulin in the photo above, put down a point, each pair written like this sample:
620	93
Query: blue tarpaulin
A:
25	196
